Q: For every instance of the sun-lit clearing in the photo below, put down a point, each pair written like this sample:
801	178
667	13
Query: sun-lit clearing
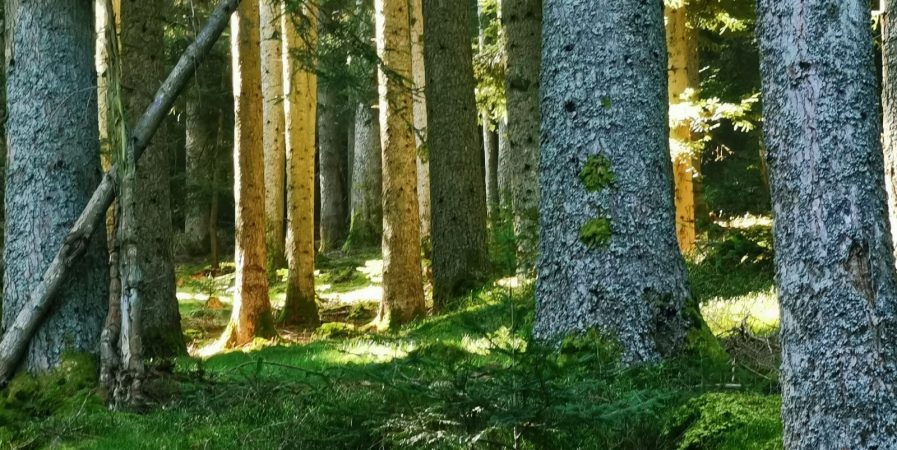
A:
365	294
501	338
373	269
757	311
746	221
370	351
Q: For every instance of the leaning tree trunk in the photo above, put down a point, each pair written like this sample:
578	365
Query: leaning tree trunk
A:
53	167
300	91
419	82
457	178
273	133
367	181
834	266
251	316
609	258
522	21
403	294
143	69
332	151
889	108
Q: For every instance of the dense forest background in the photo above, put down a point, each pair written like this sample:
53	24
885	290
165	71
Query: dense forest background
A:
524	224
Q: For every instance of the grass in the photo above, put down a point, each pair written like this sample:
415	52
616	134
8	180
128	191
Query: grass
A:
471	378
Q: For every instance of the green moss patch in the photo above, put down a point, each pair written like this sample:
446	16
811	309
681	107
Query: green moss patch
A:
596	233
597	173
728	421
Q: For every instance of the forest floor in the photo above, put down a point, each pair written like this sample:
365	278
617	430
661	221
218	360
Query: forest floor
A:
470	378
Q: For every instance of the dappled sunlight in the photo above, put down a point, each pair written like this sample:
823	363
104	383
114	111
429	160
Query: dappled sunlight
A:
757	311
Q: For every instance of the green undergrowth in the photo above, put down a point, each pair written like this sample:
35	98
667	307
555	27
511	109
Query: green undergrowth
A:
471	378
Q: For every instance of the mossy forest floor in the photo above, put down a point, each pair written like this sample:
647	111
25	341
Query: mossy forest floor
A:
471	378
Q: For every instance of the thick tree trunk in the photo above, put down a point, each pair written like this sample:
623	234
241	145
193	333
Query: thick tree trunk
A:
273	134
834	266
403	295
457	178
522	21
53	167
889	108
18	335
419	83
332	150
251	316
143	69
367	181
300	91
683	77
609	257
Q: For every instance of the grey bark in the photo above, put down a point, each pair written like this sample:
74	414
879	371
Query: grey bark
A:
333	151
143	69
202	119
457	177
889	109
522	20
834	262
504	163
604	98
490	152
53	167
367	180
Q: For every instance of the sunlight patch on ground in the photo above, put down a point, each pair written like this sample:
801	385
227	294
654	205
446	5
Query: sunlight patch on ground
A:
365	294
758	311
369	351
746	221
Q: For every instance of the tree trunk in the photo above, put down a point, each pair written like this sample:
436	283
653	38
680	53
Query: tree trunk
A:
403	295
143	69
367	181
490	153
53	167
834	261
300	91
609	257
522	21
683	77
251	315
504	174
333	150
202	123
889	109
273	134
419	82
457	178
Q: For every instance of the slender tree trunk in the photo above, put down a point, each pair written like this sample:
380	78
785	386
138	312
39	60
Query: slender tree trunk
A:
609	257
300	87
419	83
403	295
332	151
367	181
143	70
504	164
202	126
273	133
457	178
522	21
53	167
834	261
683	77
251	315
889	109
490	153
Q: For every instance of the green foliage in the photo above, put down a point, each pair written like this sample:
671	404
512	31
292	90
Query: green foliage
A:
489	62
503	242
597	173
728	421
596	233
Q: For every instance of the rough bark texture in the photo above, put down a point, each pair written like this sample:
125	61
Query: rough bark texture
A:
251	315
683	77
403	295
273	133
333	150
419	83
889	108
505	162
609	257
53	167
457	178
143	70
300	91
834	266
522	20
367	181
